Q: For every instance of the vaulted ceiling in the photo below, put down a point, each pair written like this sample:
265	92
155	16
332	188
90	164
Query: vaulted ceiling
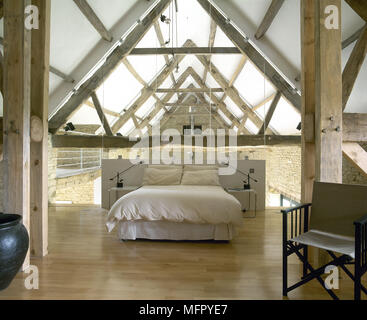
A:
249	81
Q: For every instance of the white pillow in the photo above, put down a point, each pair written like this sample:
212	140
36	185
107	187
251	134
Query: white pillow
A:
200	178
162	177
194	167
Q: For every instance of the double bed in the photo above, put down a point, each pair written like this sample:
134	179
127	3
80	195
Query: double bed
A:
196	208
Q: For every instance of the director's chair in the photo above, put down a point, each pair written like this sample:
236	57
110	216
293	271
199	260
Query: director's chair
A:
336	221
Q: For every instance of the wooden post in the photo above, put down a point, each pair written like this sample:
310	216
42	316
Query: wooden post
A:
328	104
17	71
321	98
308	99
39	144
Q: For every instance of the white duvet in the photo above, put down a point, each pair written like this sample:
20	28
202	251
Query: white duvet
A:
181	203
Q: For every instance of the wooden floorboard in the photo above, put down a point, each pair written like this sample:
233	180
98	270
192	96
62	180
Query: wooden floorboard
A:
85	262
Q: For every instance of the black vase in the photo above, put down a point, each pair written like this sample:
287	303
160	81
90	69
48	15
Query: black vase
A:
14	242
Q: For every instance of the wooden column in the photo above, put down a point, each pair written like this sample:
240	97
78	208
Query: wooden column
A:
17	53
308	98
39	130
328	103
321	100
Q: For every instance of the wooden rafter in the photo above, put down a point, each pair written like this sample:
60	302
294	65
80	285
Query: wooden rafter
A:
185	51
92	17
354	65
199	105
112	61
360	7
238	70
189	90
106	111
355	127
268	18
132	70
354	37
265	101
270	113
101	114
251	52
61	75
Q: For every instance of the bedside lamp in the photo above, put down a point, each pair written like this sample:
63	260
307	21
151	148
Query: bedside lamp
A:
246	184
119	180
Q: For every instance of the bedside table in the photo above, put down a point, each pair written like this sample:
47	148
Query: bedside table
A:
240	195
118	193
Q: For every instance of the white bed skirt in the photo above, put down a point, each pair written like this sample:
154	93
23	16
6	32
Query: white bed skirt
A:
165	230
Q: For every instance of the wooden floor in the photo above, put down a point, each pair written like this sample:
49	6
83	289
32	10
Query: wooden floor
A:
85	262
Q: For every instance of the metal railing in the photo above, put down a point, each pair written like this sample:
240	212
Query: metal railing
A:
79	159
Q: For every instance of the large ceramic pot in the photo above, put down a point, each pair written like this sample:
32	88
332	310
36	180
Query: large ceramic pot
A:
14	242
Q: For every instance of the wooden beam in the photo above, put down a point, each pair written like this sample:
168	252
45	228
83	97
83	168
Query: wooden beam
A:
265	101
360	7
328	104
89	13
268	18
39	149
199	105
75	141
101	115
185	51
17	97
112	61
61	75
212	34
106	111
256	57
354	37
189	90
354	65
238	70
147	92
356	155
308	99
355	127
132	70
270	113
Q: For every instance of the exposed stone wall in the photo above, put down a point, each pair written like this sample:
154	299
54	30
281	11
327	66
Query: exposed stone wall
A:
78	189
52	161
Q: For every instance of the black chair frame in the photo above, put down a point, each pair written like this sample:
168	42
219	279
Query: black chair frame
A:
301	214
